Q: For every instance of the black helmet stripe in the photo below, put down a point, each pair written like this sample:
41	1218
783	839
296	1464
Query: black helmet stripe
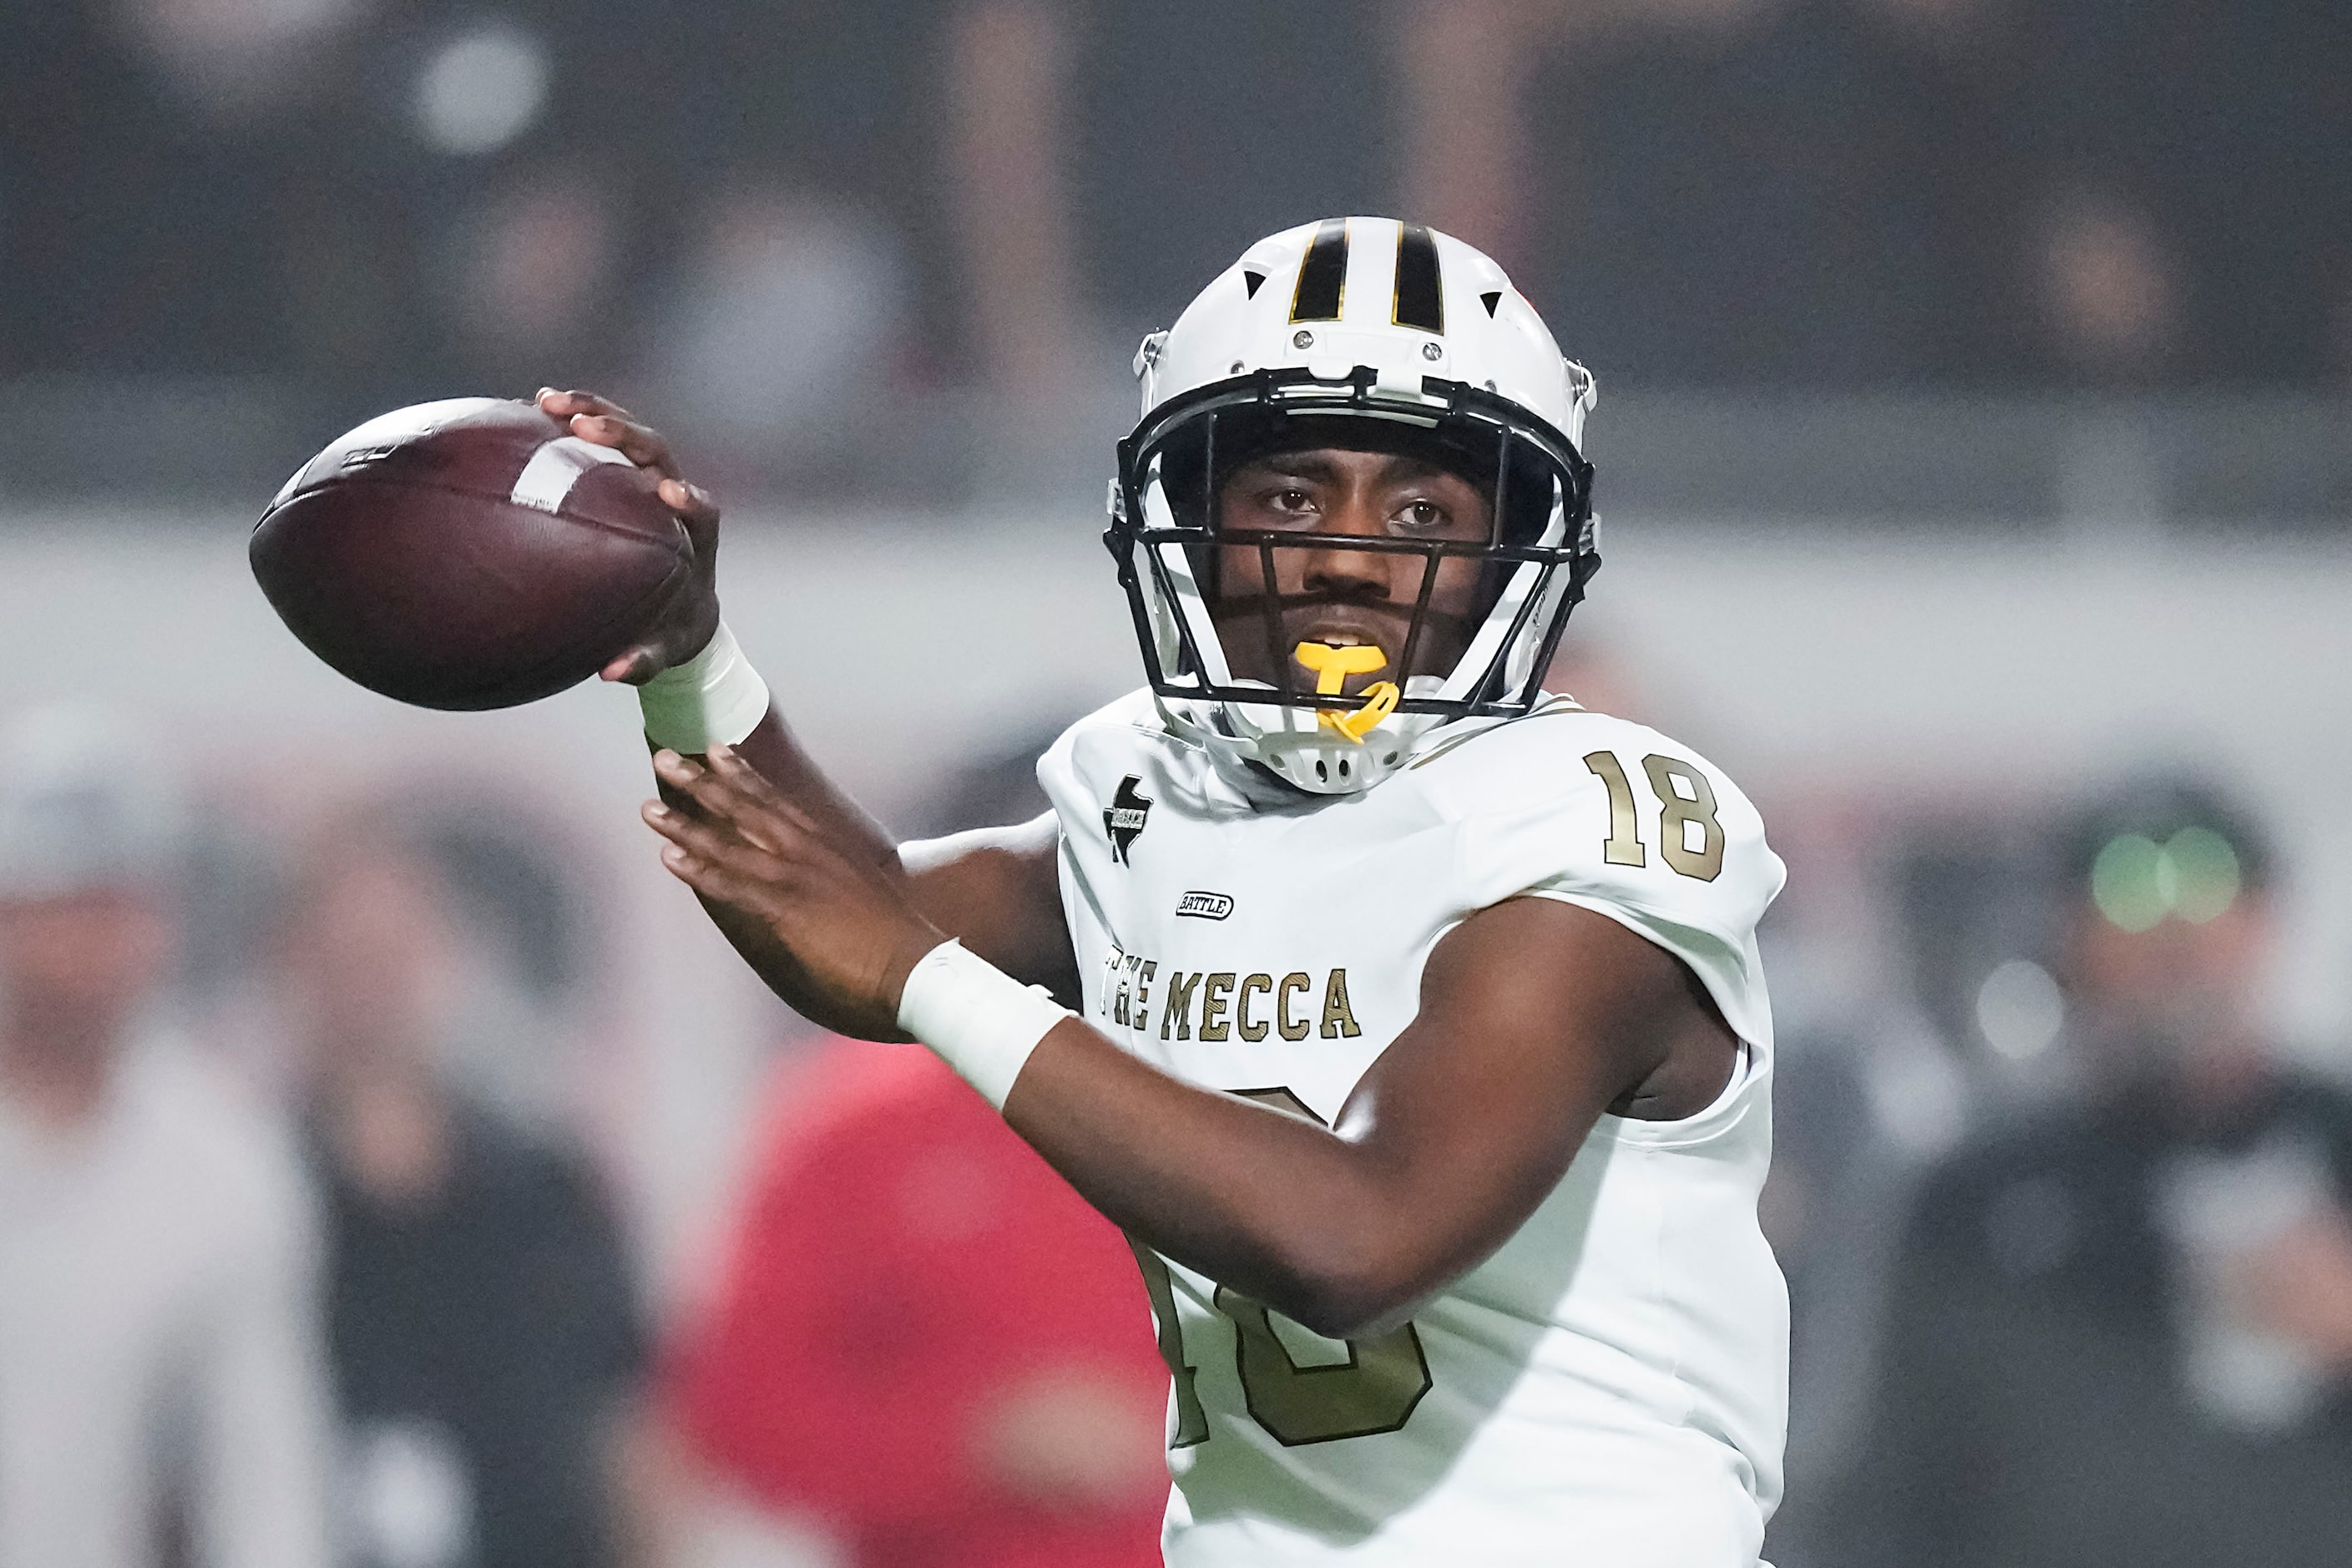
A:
1420	302
1323	276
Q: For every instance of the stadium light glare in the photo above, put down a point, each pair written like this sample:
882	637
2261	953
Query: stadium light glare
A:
2019	1009
482	88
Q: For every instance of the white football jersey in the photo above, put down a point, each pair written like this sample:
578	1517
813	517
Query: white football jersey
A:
1610	1387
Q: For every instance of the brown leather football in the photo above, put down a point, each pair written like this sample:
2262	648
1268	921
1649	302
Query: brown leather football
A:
468	553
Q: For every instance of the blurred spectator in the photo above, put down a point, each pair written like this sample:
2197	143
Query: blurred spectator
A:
539	271
923	1338
780	348
2109	290
1007	150
161	1391
483	1329
2122	1332
232	57
1463	72
2195	123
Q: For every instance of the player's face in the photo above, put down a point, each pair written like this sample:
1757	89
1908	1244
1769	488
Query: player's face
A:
1338	596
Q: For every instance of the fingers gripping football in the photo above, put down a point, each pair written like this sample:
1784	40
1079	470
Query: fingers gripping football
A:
689	622
842	933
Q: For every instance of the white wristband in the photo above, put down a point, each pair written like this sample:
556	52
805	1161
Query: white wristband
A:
714	698
975	1017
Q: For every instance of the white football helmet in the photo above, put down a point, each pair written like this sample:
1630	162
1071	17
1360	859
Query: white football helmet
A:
1419	342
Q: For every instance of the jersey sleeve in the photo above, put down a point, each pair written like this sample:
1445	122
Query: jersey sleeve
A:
1619	819
1064	767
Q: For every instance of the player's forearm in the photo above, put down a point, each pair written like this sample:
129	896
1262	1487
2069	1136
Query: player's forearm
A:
1330	1231
995	890
998	891
1445	1146
778	756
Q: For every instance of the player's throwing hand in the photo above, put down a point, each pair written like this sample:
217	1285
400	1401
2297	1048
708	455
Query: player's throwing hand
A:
687	624
846	930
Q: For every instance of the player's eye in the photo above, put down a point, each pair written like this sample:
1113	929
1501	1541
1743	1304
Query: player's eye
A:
1289	502
1423	516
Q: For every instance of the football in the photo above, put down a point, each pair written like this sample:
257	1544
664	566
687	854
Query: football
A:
468	553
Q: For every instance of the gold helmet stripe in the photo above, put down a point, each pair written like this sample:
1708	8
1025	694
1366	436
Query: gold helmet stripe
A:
1420	301
1323	275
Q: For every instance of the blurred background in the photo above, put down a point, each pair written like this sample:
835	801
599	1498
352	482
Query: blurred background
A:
1975	457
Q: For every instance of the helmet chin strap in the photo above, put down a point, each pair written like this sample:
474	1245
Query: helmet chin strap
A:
1333	664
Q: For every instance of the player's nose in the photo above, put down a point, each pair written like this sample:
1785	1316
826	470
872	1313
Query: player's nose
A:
1346	572
1354	513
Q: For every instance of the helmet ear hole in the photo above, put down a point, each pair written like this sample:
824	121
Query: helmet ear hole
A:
1254	281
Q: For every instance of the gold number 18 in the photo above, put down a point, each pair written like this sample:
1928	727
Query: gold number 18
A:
1684	797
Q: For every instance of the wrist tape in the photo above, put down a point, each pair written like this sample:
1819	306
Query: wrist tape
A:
714	698
975	1017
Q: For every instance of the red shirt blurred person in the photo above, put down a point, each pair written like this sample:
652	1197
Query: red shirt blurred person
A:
923	1338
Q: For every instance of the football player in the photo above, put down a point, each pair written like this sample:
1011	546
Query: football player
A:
1415	1031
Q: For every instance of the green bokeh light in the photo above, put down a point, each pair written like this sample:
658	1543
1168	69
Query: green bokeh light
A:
2204	874
2130	882
2136	882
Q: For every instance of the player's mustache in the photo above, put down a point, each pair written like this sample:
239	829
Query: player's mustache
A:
1290	609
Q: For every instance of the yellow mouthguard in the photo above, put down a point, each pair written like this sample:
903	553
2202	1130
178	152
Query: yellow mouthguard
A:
1383	702
1332	664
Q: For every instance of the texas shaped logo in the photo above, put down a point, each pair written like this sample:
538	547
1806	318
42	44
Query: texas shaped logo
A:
1123	818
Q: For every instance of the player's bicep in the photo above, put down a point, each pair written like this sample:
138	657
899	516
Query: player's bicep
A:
1536	1016
998	890
1664	843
